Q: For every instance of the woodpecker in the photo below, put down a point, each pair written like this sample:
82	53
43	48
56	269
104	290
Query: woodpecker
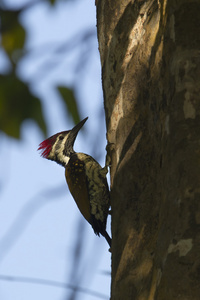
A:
86	179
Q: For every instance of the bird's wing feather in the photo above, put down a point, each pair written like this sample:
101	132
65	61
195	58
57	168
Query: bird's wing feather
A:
76	180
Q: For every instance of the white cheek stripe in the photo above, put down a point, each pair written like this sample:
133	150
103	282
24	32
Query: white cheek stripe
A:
65	159
62	157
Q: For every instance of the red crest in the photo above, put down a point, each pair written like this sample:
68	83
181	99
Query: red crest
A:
46	145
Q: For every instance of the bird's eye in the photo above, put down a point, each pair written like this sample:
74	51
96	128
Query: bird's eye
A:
61	137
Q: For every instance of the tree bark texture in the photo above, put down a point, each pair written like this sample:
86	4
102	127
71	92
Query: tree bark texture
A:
150	56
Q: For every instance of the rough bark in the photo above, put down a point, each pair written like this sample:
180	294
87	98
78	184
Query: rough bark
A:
151	81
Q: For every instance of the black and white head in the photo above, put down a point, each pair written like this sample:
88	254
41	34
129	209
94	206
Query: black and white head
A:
59	147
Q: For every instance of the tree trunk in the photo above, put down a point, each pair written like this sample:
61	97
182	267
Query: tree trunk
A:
151	81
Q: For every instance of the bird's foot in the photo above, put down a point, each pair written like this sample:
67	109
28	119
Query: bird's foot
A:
109	149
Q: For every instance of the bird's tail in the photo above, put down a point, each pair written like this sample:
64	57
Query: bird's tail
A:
99	228
107	237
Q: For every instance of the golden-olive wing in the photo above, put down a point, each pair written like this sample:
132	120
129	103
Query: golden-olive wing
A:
89	189
76	180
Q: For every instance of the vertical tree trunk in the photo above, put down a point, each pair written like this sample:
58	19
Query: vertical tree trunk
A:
151	81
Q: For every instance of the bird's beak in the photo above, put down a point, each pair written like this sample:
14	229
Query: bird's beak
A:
75	130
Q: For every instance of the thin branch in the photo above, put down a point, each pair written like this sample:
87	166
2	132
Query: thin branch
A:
57	50
52	283
57	47
25	216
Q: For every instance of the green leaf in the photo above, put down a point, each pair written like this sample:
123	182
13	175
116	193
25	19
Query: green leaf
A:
70	101
12	32
52	2
16	105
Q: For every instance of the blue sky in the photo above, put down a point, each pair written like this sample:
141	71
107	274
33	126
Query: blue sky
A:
40	223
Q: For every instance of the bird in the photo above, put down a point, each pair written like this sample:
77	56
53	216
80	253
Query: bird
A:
85	177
